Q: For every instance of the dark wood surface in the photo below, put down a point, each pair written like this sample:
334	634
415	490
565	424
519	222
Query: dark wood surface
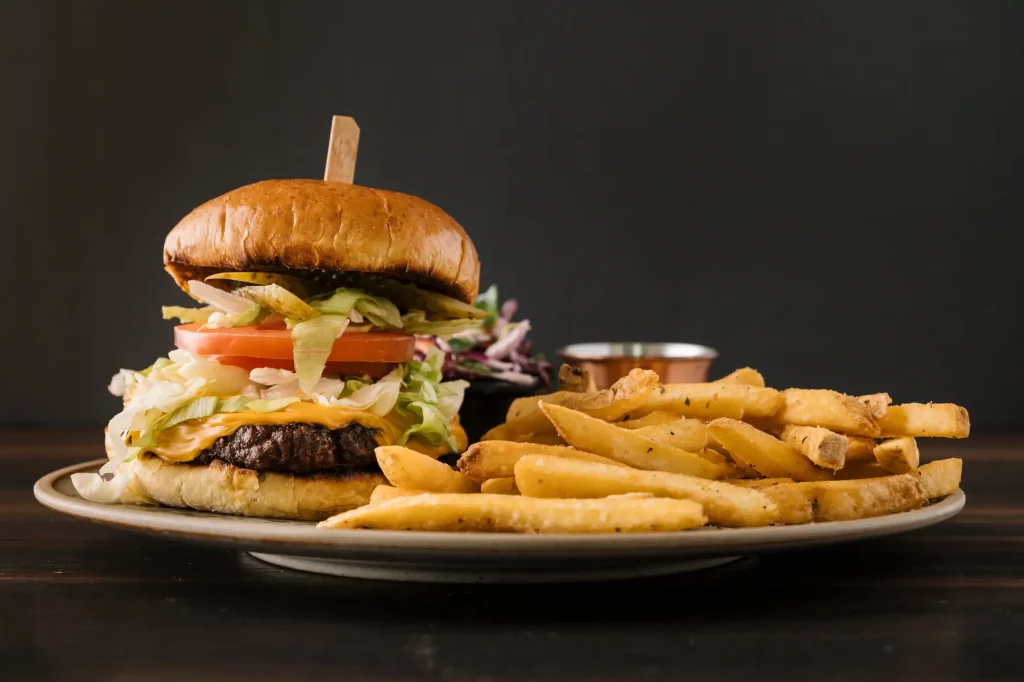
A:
80	601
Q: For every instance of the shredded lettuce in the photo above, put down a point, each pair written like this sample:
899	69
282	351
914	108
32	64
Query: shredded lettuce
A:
312	342
232	310
195	409
380	311
339	302
271	405
488	302
352	302
432	427
378	398
450	395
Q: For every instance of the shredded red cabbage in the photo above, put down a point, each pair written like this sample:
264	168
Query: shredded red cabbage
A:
500	351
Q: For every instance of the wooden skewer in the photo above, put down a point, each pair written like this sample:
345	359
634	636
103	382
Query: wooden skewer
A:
341	153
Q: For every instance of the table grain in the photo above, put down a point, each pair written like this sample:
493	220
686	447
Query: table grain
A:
81	601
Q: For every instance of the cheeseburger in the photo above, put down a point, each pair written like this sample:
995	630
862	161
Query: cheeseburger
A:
300	357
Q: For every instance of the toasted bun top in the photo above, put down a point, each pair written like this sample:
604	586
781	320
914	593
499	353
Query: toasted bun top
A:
294	225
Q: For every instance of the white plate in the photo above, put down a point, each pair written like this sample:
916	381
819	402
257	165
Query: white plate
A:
475	557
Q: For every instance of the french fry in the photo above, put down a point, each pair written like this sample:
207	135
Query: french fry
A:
716	457
899	455
521	431
932	420
940	478
877	404
845	500
634	513
685	434
405	468
860	448
497	458
757	482
576	380
724	504
655	418
744	375
601	438
825	448
547	438
865	468
713	400
763	452
625	395
383	493
828	409
500	486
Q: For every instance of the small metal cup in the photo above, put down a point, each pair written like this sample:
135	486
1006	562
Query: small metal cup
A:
675	363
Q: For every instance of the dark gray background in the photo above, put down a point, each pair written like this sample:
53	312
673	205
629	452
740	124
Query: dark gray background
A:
826	191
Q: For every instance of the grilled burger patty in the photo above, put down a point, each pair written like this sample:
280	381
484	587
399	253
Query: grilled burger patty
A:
296	449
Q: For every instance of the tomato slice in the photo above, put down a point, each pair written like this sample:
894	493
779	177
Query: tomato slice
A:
374	369
274	342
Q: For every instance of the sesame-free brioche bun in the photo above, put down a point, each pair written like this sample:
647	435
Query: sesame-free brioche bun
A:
227	489
315	225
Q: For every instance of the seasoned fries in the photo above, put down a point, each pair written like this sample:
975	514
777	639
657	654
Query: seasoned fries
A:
763	452
685	434
642	456
940	478
497	458
709	400
845	500
405	468
521	514
724	504
898	456
828	409
859	448
744	375
628	447
655	418
625	395
877	404
499	486
383	493
825	448
576	380
932	420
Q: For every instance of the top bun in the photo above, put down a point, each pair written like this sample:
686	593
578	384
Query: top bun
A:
315	225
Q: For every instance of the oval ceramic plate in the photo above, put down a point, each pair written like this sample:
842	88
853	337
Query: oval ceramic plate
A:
474	557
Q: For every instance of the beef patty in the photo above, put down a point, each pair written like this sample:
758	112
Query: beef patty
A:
296	449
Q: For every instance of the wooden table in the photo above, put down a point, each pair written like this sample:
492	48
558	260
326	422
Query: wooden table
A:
84	602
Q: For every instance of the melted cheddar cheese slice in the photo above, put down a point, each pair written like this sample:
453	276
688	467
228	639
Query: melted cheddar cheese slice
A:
184	442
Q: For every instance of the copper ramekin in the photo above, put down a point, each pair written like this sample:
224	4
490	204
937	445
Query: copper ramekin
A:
675	363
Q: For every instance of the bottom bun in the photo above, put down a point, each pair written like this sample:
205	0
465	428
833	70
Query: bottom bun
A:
227	489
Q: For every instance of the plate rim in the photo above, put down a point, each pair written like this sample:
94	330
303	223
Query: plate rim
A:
299	536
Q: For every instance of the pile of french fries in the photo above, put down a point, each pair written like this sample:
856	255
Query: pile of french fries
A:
645	456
